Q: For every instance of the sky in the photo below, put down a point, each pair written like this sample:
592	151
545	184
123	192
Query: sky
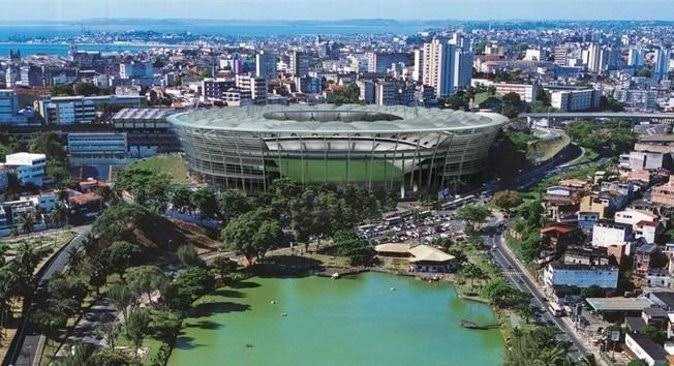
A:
70	10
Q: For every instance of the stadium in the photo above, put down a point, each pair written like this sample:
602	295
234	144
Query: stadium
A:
378	147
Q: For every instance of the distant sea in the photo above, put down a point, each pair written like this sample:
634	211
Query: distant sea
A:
235	30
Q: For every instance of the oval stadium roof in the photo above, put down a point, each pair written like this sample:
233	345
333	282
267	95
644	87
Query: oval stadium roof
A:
328	118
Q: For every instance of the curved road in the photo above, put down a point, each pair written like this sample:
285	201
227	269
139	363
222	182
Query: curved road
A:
23	350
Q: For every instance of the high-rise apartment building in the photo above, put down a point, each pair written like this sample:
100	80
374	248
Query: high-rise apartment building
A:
418	72
367	92
661	63
447	65
635	57
594	58
379	62
265	65
299	63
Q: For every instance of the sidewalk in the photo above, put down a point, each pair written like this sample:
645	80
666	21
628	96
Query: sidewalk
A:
564	322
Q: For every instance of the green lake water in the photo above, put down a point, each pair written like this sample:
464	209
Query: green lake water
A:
369	319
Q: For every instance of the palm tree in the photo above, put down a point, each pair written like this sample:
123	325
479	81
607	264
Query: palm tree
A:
81	354
26	222
60	215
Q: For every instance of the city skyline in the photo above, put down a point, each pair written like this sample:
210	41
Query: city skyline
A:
74	10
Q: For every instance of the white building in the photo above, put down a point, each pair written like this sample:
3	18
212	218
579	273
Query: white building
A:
527	92
255	87
9	108
645	349
575	100
635	57
81	109
661	63
556	274
447	65
607	233
136	70
644	224
29	167
367	92
533	54
299	63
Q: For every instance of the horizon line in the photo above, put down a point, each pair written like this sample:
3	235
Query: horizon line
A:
400	20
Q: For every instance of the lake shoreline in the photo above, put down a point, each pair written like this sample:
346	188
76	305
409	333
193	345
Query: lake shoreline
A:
355	272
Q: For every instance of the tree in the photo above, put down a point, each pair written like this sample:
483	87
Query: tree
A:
81	354
181	197
512	105
188	286
507	199
544	97
50	144
252	234
148	187
473	214
536	346
121	255
166	326
121	297
234	203
457	101
501	294
349	245
592	291
26	222
145	280
656	335
472	271
645	72
223	265
137	326
349	94
189	256
205	201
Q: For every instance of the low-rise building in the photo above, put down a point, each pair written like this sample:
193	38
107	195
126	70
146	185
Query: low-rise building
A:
606	233
558	275
664	194
81	109
644	224
575	100
645	349
28	167
643	256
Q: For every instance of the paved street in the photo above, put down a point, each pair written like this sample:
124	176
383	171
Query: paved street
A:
517	274
29	338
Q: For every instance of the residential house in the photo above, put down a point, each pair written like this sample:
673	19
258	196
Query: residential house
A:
84	207
561	203
586	220
643	257
645	349
664	194
586	256
607	233
645	224
559	236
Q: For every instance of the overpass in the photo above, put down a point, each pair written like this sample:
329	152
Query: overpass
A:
638	116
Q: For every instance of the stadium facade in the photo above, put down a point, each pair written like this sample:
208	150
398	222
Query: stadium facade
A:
395	147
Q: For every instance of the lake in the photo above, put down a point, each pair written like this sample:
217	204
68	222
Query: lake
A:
369	319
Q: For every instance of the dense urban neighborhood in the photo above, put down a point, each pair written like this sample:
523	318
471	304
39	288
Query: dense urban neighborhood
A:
146	192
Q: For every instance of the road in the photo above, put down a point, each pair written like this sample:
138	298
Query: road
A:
28	339
518	275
